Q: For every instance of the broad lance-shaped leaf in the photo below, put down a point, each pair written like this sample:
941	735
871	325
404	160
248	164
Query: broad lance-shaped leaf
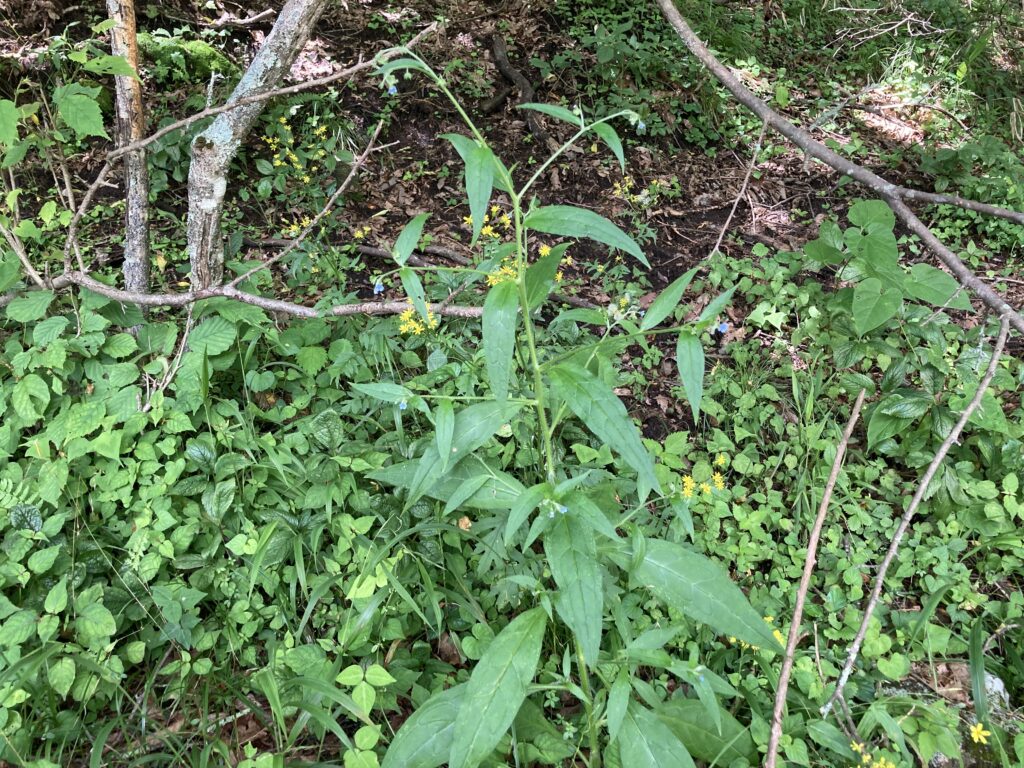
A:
479	183
473	427
497	490
646	742
414	290
572	555
604	414
497	688
570	221
667	301
425	739
444	430
540	276
688	720
690	361
499	334
702	590
408	239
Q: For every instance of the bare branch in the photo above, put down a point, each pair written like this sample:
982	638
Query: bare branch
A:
805	582
915	502
891	193
19	248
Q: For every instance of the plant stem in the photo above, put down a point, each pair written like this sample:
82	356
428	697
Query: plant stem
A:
588	705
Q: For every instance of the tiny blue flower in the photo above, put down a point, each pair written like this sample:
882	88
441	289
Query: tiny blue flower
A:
392	90
551	513
562	509
403	405
723	327
641	126
378	288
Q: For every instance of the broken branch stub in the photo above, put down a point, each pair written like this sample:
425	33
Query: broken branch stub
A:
215	147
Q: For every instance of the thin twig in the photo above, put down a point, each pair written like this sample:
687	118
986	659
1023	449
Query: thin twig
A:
18	247
805	582
922	488
743	189
356	165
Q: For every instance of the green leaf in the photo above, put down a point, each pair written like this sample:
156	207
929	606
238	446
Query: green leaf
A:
540	276
604	415
479	183
561	113
212	336
444	429
414	290
667	301
618	701
497	688
473	427
61	675
30	397
936	287
94	622
611	138
702	589
830	737
425	739
882	426
688	720
118	345
8	123
311	359
57	598
110	65
466	147
29	307
715	307
572	555
976	657
408	240
386	391
690	360
501	309
524	504
646	742
78	107
873	305
569	221
872	215
497	490
824	252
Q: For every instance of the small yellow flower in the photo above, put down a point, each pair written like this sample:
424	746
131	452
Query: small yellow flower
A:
544	250
770	619
705	488
618	258
567	261
495	210
857	747
283	120
467	220
779	636
488	231
505	221
623	302
979	735
306	179
559	276
600	269
720	461
865	758
732	641
278	163
718	480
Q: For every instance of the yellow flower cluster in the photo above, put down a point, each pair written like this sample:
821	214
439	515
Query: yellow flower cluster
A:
778	636
293	229
500	218
360	232
408	322
285	154
506	273
865	757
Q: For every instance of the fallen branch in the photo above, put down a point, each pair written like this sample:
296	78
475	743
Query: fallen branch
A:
915	502
805	582
893	194
518	79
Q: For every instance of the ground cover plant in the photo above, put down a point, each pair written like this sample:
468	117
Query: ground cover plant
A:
510	396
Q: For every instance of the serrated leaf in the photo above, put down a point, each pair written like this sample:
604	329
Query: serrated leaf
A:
118	345
31	306
30	397
569	221
425	739
501	309
61	675
572	556
497	688
702	589
603	413
57	598
646	742
690	360
94	622
873	305
212	336
667	301
311	359
408	239
77	106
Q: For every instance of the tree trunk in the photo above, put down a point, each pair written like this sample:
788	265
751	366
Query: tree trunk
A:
214	148
131	125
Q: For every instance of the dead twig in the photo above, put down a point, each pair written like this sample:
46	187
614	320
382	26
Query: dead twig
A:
805	582
742	192
915	502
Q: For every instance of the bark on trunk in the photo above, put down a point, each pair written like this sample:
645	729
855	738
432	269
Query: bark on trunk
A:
131	126
214	148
